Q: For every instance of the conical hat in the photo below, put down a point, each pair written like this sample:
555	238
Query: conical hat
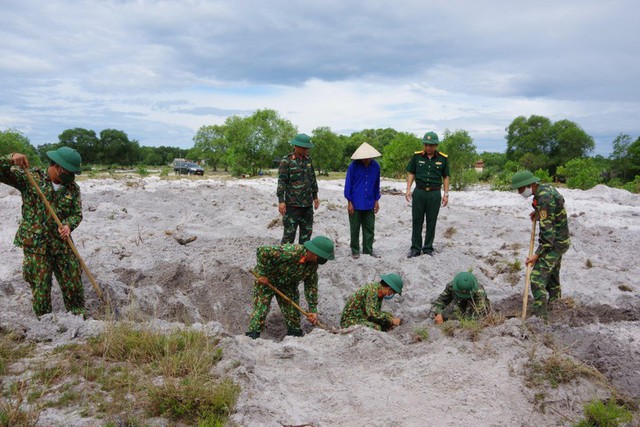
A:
365	151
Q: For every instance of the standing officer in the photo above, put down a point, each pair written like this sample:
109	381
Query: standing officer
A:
463	298
430	169
297	191
553	238
284	267
46	251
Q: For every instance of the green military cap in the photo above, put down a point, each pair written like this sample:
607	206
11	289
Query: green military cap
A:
464	285
321	246
66	157
394	281
522	179
302	140
430	138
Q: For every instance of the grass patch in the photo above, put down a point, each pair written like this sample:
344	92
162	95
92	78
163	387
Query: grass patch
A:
557	369
12	348
124	374
600	414
589	264
449	232
420	334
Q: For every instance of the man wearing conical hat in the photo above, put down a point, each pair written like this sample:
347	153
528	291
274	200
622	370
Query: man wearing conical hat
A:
362	191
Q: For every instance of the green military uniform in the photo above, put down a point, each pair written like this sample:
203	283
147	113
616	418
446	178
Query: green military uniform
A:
553	242
45	253
297	188
450	305
285	267
365	308
426	198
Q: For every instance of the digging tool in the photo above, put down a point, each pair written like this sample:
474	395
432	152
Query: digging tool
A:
527	279
69	241
287	299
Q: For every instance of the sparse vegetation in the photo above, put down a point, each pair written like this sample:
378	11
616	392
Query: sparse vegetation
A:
420	334
449	232
557	369
600	414
589	264
126	373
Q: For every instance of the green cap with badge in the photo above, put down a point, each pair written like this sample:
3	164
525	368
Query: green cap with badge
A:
394	281
430	138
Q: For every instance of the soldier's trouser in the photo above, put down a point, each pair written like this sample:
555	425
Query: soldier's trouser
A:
424	204
262	296
545	279
366	220
296	216
37	270
375	326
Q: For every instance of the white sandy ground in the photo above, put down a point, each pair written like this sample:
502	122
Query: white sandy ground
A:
129	240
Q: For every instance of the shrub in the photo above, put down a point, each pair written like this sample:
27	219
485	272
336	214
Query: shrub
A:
600	414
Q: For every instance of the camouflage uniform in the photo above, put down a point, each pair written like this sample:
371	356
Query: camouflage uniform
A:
364	308
285	267
553	242
449	305
45	253
297	188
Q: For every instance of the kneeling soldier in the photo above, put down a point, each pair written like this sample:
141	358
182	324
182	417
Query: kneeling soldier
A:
365	306
463	298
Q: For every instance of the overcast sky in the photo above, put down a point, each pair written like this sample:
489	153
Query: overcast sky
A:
160	70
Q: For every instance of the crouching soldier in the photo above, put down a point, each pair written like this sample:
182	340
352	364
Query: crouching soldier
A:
463	299
46	252
365	306
284	267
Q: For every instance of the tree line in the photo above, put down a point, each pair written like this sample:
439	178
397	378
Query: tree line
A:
557	151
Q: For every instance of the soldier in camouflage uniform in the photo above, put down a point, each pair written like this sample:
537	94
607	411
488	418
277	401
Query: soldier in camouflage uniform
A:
365	306
46	251
297	191
284	267
553	238
463	299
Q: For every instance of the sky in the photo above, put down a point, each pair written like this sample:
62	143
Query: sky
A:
160	70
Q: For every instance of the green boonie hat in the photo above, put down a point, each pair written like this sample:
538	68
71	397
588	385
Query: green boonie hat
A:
68	158
393	281
464	285
302	140
522	179
321	246
430	138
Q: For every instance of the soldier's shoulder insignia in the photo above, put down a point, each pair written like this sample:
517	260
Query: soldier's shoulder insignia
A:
543	214
443	155
417	152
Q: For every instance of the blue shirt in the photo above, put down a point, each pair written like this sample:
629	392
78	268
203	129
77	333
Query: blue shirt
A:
362	185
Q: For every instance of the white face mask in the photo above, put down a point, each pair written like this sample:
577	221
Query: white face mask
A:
527	193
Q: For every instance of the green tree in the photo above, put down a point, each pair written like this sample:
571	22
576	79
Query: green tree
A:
252	140
620	156
634	158
327	150
462	154
85	141
396	154
211	144
13	141
117	149
536	143
581	173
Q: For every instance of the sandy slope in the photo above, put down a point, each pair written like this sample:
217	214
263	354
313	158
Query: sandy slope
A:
129	238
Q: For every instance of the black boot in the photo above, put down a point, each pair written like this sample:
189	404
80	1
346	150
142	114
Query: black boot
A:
295	332
253	335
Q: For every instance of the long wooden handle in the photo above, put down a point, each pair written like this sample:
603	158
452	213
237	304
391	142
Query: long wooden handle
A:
287	299
69	241
527	279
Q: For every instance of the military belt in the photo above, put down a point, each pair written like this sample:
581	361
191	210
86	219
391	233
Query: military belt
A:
428	188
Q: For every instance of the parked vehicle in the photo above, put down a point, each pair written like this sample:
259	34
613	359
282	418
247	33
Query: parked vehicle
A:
187	168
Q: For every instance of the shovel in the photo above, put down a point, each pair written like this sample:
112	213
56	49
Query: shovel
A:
527	279
287	299
69	241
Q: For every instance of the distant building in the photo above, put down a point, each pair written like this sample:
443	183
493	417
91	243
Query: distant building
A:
479	166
